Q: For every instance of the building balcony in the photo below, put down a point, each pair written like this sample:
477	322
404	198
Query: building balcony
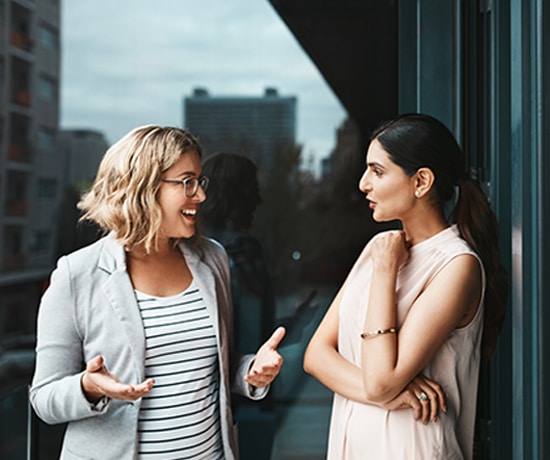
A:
19	153
21	97
22	41
13	262
16	208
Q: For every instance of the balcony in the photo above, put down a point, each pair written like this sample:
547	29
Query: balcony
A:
21	97
16	208
12	262
19	153
22	41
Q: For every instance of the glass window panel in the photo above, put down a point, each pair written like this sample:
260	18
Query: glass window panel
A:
46	140
47	37
264	99
47	89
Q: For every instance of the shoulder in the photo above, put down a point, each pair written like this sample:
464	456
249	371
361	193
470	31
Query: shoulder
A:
456	249
105	253
85	256
211	248
208	251
458	259
79	268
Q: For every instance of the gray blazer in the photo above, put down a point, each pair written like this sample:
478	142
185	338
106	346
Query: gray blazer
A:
90	309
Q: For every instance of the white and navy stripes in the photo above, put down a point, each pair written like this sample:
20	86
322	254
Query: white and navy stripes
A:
179	418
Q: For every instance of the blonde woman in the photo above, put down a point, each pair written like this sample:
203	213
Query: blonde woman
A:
134	331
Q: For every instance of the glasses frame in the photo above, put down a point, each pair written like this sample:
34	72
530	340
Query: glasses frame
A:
191	184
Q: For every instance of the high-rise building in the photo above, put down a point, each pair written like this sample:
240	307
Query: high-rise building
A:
82	151
254	126
29	168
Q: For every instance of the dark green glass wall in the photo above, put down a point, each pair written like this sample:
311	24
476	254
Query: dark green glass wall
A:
483	67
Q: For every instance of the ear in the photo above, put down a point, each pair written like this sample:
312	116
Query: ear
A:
424	182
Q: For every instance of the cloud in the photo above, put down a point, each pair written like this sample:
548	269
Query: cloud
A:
131	62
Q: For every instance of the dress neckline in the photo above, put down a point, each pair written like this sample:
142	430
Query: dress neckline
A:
436	239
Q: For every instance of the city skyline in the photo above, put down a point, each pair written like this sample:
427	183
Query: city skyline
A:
126	64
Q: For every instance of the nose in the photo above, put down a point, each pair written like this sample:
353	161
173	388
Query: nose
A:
200	196
364	182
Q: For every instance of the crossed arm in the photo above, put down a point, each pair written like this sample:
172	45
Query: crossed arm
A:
390	372
324	362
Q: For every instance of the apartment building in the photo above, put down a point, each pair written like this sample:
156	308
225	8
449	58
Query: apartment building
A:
256	126
30	169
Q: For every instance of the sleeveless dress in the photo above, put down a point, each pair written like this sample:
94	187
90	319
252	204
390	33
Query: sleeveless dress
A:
362	431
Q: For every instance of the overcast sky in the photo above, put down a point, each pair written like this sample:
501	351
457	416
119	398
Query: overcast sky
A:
131	62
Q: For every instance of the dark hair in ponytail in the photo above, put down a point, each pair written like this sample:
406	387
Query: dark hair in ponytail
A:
415	141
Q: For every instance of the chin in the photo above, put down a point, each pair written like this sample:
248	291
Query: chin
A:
376	217
188	235
381	219
184	235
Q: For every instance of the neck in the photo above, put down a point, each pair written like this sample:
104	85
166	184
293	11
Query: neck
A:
422	227
165	249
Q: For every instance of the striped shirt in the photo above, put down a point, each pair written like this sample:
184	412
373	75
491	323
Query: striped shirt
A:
179	418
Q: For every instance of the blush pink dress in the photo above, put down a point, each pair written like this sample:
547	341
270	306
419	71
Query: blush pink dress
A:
360	431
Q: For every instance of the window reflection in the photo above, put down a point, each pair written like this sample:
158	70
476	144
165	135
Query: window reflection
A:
288	258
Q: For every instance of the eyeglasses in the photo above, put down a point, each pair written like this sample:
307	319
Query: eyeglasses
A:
191	184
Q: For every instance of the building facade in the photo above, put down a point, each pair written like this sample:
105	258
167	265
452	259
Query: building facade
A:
82	151
29	170
254	126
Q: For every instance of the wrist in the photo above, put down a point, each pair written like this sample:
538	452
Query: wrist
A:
386	265
93	396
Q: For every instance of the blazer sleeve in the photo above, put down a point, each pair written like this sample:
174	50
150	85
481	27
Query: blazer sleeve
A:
241	386
56	394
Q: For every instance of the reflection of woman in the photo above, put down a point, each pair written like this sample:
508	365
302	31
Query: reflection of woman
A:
227	216
416	303
134	332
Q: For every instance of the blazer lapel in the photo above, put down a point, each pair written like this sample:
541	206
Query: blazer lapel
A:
120	293
204	278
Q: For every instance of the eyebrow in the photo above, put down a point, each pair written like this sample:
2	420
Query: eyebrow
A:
187	173
375	164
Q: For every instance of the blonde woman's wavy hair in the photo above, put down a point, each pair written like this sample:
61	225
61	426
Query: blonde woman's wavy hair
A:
123	197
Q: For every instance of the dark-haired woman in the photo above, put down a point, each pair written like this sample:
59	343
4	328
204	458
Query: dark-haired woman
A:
421	305
227	217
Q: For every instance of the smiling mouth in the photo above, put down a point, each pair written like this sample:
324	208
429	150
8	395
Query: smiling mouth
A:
189	212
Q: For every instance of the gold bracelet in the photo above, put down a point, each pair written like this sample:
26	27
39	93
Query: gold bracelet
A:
367	335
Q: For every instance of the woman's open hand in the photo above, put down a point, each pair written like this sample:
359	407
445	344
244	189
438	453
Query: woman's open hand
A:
97	382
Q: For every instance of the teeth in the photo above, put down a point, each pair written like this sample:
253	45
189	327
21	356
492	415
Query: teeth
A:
189	212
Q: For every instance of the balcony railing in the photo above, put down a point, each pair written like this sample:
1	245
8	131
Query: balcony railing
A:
21	97
22	41
12	262
19	153
22	434
16	208
14	425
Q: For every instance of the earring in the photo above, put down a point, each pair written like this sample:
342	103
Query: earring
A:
417	194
